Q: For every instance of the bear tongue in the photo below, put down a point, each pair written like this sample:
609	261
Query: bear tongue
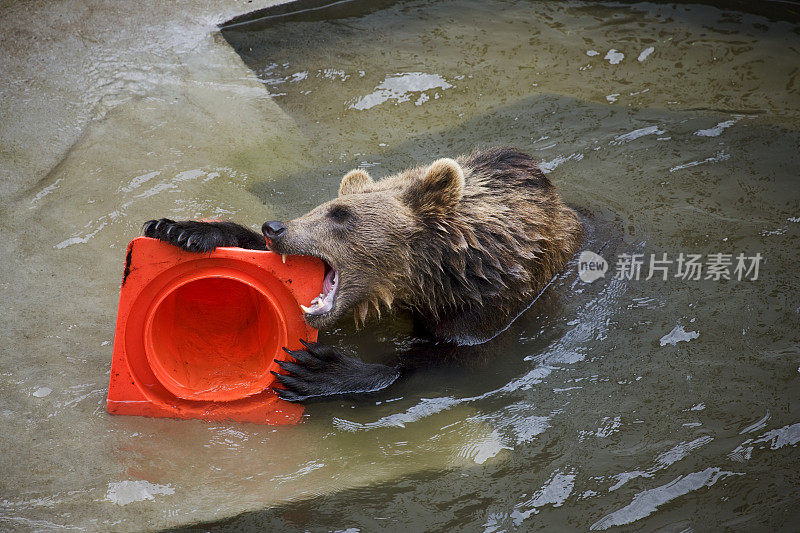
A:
330	281
324	302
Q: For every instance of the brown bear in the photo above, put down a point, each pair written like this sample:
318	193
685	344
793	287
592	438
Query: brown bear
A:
464	244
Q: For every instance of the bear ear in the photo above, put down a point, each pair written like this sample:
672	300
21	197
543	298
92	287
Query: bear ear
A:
440	188
354	181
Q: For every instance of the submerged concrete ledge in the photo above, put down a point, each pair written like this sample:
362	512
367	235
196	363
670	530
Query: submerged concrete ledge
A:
65	65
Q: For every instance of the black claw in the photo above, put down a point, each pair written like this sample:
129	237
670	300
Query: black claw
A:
199	237
320	352
287	381
288	395
297	355
147	229
309	345
304	358
292	368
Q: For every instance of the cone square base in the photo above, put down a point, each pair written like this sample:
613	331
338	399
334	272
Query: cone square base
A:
197	335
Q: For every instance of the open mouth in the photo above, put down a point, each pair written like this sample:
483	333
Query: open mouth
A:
323	303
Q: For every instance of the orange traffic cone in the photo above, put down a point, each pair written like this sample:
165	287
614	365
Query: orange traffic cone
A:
198	334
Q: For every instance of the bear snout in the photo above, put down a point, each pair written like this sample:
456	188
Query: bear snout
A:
273	229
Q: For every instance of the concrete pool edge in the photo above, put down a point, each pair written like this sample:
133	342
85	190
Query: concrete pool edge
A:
102	56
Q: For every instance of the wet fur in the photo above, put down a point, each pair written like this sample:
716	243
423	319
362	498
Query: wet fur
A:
464	244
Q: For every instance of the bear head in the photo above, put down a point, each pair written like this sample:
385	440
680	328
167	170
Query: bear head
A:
369	237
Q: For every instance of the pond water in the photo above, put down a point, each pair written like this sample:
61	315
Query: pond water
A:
658	404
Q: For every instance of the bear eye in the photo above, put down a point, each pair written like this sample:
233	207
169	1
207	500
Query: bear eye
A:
339	213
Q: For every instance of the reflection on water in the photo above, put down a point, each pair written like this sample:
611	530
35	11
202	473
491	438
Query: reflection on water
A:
662	404
401	88
648	501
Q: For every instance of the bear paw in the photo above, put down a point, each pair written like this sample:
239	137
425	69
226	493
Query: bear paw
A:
189	235
321	370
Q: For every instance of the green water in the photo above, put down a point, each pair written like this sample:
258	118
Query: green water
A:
656	405
661	404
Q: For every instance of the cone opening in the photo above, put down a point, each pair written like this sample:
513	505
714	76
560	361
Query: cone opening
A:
214	338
